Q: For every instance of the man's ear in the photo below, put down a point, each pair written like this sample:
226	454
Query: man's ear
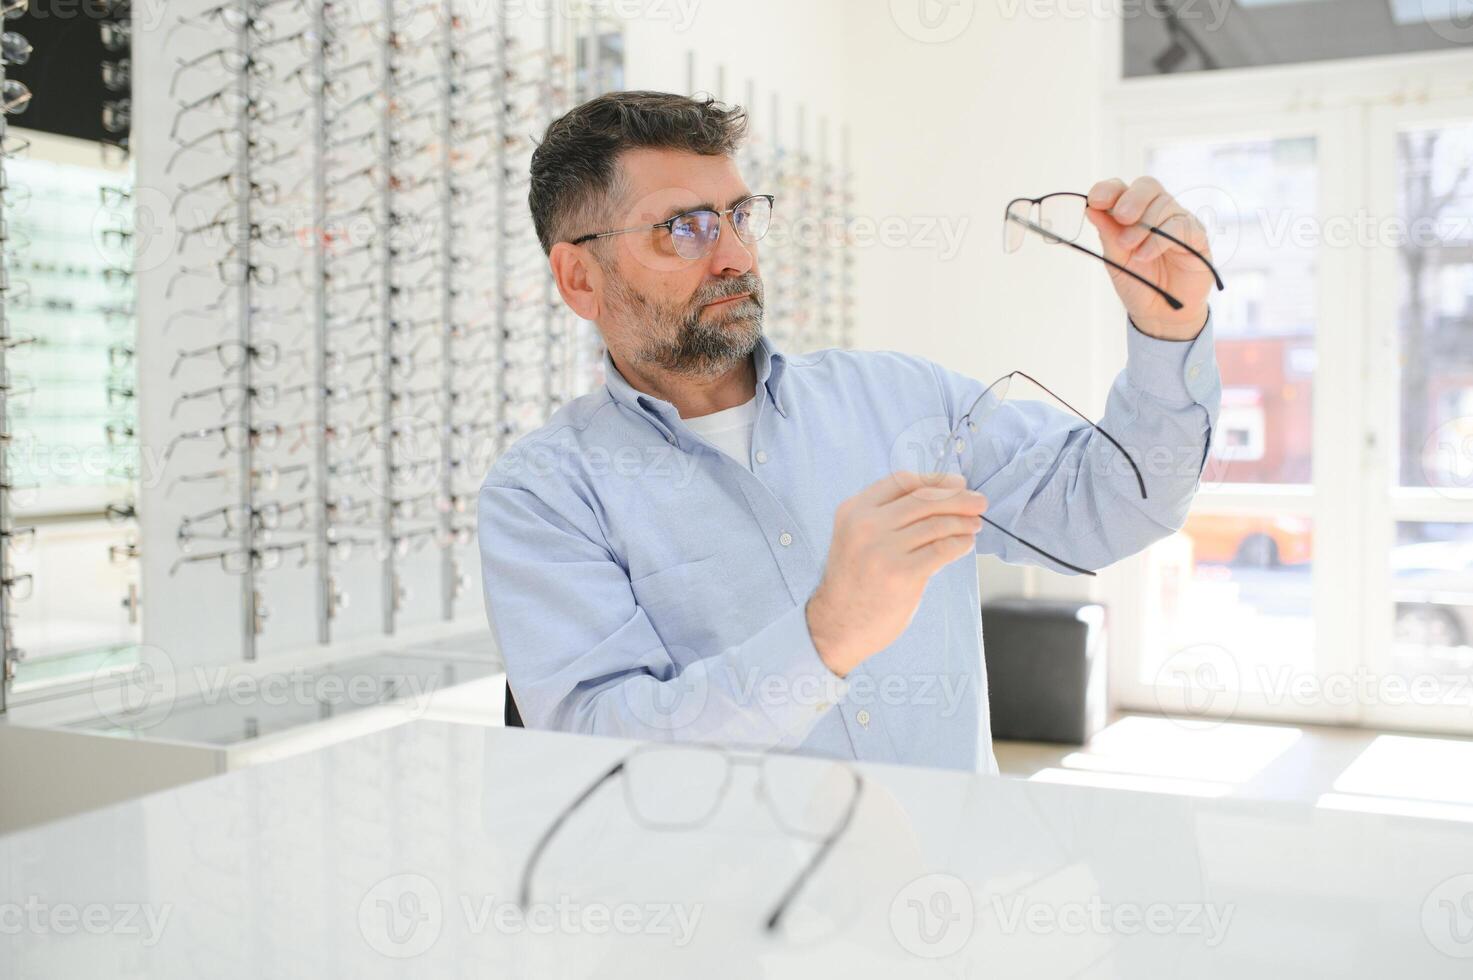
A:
579	279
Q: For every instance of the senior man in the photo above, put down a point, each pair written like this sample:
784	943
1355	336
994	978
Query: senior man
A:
730	544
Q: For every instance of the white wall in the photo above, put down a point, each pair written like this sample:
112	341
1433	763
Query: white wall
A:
949	124
946	125
793	48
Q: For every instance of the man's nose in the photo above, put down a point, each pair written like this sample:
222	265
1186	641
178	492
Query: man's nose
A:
731	254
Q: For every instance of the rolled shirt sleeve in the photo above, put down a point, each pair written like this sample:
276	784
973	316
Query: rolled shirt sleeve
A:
1053	480
583	656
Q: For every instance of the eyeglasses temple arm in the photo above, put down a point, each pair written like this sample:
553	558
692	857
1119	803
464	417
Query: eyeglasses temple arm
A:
1171	300
620	231
1138	478
524	893
1202	258
775	919
1052	558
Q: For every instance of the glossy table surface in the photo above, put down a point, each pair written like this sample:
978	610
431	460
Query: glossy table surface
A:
399	854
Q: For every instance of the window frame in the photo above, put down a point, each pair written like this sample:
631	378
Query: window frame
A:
1347	106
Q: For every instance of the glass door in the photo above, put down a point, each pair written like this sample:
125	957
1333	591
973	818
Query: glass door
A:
1241	613
1419	474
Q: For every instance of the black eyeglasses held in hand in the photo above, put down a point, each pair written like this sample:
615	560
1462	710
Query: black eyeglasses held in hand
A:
986	406
1059	217
681	788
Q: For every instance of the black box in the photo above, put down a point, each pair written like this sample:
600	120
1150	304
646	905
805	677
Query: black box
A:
1045	669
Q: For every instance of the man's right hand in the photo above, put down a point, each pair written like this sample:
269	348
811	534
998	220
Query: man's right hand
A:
889	539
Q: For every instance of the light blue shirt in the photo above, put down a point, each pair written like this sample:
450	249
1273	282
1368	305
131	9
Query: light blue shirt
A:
643	584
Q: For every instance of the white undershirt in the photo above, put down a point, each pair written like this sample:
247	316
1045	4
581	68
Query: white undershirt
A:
729	430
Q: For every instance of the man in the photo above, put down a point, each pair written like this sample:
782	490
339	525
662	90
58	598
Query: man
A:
728	544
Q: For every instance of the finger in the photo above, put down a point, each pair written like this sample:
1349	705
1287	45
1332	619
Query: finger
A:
902	482
1137	197
938	554
1110	231
930	529
1105	193
1138	235
1179	224
916	507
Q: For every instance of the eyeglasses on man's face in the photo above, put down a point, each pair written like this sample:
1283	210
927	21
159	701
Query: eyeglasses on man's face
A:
694	233
1059	218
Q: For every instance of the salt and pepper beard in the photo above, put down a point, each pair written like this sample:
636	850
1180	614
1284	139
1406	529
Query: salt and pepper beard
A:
680	340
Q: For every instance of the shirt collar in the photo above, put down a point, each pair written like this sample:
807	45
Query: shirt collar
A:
769	361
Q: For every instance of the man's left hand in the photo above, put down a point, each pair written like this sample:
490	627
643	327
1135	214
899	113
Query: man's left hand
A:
1121	215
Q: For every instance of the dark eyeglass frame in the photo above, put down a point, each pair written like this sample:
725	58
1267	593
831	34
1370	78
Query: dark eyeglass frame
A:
774	919
1052	238
669	225
954	437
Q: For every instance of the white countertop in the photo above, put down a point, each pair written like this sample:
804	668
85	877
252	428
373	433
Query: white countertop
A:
411	841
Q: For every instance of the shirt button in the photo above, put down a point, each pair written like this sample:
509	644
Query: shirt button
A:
785	539
1194	371
761	455
862	717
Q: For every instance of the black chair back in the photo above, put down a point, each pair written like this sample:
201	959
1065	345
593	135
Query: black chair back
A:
512	715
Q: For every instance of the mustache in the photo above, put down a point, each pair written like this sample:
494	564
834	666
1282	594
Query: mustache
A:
727	288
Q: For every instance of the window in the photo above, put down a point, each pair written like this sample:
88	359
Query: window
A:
1435	335
1232	595
1169	36
1325	572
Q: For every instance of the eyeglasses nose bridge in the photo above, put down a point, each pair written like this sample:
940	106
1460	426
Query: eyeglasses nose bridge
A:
727	217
